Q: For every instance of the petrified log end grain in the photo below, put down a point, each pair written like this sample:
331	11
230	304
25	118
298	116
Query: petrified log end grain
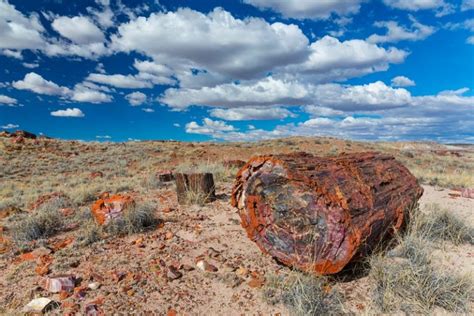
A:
317	214
197	183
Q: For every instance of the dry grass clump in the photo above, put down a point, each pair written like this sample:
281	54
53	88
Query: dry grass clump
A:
196	198
405	278
46	222
136	219
304	294
89	233
441	224
411	284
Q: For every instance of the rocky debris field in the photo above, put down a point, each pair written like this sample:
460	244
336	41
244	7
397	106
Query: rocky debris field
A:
63	251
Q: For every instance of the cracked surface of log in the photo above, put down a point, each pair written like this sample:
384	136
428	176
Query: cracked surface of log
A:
317	214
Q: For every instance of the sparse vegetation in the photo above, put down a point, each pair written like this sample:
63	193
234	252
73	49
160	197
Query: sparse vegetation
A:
406	279
440	224
137	218
412	278
304	294
46	222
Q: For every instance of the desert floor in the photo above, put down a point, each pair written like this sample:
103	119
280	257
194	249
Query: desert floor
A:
130	273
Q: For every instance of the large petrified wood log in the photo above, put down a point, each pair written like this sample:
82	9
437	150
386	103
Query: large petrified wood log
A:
200	185
317	214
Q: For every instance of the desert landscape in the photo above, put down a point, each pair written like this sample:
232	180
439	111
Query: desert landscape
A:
244	157
194	258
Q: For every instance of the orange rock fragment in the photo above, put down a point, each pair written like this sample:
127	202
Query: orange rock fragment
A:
110	207
62	243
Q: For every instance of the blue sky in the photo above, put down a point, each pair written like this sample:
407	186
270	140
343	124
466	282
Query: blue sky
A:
238	70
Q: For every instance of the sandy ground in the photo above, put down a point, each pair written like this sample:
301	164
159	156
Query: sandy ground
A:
133	274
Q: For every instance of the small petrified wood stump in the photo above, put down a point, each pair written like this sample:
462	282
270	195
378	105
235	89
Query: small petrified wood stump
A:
201	184
317	214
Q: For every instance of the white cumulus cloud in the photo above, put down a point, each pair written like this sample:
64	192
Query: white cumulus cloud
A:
38	84
251	113
216	41
69	112
136	98
308	9
396	33
4	99
78	29
402	81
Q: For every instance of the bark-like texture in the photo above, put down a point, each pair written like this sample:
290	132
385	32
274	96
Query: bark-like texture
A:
317	214
195	183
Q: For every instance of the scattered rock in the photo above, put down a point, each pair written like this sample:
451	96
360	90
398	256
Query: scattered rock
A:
96	174
111	207
93	309
242	271
173	273
93	285
38	305
60	283
203	265
169	235
62	243
256	282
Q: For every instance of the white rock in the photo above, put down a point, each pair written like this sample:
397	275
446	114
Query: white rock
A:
93	285
37	305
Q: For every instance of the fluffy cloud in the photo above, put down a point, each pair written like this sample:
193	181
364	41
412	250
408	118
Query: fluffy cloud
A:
11	53
302	9
447	116
402	81
217	42
396	33
369	97
10	126
18	31
467	5
139	81
136	98
467	25
251	113
120	81
4	99
78	29
74	112
38	84
331	59
84	93
268	91
315	110
209	127
441	6
271	92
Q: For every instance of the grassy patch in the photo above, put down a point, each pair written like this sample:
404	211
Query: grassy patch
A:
411	284
138	218
46	222
440	224
406	280
304	294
